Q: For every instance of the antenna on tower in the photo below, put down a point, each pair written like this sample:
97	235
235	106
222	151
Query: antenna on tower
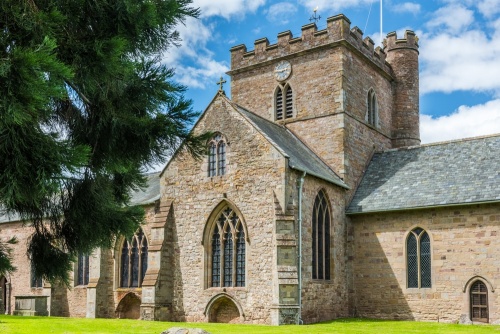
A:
315	17
381	36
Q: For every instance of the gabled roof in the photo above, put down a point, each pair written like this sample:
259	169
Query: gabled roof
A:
300	157
144	196
443	174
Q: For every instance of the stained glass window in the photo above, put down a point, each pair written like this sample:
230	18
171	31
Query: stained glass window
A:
83	269
321	238
418	259
217	156
228	252
134	261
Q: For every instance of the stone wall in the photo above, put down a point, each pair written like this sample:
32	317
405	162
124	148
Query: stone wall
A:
61	301
464	247
255	172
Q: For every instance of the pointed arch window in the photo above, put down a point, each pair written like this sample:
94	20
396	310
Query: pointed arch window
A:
418	259
227	251
284	102
321	238
372	108
134	261
83	270
217	156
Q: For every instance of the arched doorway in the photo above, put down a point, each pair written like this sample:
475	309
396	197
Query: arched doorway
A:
479	302
129	307
223	309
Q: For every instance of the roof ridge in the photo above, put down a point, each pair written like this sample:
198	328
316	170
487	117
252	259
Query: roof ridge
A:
442	143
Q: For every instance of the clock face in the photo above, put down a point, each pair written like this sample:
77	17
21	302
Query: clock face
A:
282	70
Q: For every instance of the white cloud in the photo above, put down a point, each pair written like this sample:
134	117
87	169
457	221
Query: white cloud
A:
453	18
333	5
407	7
281	12
206	71
227	8
478	120
489	8
465	62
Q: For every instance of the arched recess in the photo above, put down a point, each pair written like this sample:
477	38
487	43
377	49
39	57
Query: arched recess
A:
129	307
5	294
223	308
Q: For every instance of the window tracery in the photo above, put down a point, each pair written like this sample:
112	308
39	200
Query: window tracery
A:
227	254
134	261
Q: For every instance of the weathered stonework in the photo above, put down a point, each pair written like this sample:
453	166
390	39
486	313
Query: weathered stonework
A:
325	147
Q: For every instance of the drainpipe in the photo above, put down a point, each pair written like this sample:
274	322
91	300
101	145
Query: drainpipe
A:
300	185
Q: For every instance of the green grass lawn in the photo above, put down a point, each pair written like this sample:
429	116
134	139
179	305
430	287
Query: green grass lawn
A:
36	325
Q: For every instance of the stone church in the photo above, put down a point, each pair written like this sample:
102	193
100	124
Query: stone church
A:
315	201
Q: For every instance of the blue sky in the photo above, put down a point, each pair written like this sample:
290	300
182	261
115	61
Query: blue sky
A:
459	51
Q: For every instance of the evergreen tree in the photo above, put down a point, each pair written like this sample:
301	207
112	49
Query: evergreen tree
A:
84	105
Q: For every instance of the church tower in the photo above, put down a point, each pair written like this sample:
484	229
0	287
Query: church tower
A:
344	98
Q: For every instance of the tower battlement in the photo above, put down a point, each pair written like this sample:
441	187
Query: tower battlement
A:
338	31
410	41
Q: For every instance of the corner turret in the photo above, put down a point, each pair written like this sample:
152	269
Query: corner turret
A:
402	55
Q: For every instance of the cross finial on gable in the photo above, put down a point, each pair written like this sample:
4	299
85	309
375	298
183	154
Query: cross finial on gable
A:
221	83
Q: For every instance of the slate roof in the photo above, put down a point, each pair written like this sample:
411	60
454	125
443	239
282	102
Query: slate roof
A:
451	173
300	157
138	197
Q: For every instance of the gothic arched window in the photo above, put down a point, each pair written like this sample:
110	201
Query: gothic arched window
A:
372	108
321	238
284	102
418	259
83	270
134	261
227	251
217	156
35	281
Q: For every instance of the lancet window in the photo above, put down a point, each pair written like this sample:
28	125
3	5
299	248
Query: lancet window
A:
418	259
217	156
321	238
134	260
372	108
83	270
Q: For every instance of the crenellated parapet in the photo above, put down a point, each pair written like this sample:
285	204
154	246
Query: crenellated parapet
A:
410	41
338	31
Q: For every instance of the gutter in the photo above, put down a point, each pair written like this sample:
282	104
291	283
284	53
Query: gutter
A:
300	185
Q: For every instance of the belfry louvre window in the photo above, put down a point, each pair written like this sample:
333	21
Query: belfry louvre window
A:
372	110
134	261
83	270
479	302
321	238
418	259
228	251
284	102
216	156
